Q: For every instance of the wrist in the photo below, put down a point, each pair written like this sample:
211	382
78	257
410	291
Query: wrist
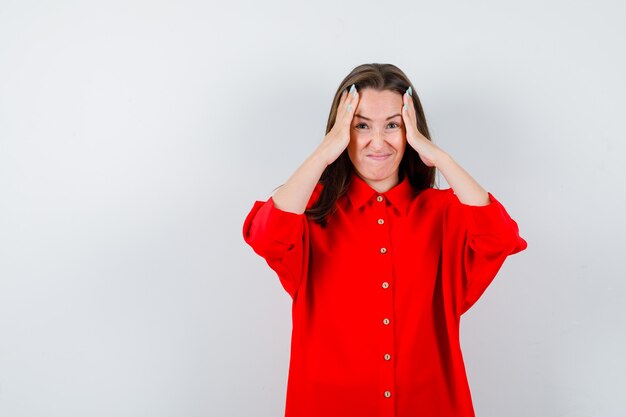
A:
322	155
319	158
441	159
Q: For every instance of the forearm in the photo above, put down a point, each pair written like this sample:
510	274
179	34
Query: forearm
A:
294	195
465	187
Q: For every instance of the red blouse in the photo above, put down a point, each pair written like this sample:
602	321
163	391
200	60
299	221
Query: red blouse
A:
377	297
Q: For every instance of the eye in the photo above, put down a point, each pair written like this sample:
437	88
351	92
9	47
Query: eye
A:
392	124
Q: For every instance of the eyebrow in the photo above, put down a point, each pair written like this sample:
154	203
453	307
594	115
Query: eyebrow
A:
365	118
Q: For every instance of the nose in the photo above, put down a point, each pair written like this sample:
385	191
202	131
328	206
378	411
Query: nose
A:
377	139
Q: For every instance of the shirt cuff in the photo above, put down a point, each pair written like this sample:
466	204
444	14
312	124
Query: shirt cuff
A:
284	225
488	219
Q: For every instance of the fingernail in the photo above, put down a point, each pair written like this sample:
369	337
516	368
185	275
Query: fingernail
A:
353	90
348	107
404	106
410	90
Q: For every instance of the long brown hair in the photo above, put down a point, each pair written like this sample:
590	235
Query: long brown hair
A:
336	177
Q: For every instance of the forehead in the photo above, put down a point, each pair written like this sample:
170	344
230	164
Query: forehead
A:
378	104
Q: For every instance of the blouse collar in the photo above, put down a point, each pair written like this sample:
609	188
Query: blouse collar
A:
399	196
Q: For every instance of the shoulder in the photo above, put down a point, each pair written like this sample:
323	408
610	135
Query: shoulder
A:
431	201
436	196
438	192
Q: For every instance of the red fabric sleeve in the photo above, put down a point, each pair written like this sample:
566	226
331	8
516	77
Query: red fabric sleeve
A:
281	238
477	240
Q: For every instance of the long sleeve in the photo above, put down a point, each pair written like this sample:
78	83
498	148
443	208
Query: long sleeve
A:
281	238
477	240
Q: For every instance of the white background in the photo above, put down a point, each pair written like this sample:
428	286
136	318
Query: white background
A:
136	135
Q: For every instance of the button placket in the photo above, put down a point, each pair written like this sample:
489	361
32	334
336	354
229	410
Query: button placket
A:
387	343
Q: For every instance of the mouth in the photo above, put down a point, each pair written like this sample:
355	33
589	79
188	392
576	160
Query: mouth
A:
378	157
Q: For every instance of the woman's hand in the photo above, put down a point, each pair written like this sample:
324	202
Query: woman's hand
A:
294	195
338	138
429	152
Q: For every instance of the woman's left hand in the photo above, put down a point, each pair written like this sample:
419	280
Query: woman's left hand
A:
429	152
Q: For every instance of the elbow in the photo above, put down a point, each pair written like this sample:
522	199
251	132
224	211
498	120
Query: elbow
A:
497	245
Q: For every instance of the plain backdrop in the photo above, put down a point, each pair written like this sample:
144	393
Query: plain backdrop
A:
135	136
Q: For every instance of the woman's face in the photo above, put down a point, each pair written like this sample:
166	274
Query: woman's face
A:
377	138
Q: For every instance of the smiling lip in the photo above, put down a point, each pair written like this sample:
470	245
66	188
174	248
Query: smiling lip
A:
378	157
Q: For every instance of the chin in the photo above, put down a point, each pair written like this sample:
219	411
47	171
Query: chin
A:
375	176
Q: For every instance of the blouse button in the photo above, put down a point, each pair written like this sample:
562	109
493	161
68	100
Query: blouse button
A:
379	198
387	394
387	356
381	221
385	284
385	321
383	250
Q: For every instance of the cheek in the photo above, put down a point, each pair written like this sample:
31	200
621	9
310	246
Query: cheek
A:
351	144
352	148
357	142
399	142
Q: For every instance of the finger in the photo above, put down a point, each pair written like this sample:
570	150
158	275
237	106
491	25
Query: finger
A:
407	108
353	101
412	106
405	103
341	106
347	106
343	96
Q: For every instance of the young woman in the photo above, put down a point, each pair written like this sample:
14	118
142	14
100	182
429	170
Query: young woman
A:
380	265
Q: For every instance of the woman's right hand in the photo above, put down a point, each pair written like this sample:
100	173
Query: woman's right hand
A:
338	138
293	196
